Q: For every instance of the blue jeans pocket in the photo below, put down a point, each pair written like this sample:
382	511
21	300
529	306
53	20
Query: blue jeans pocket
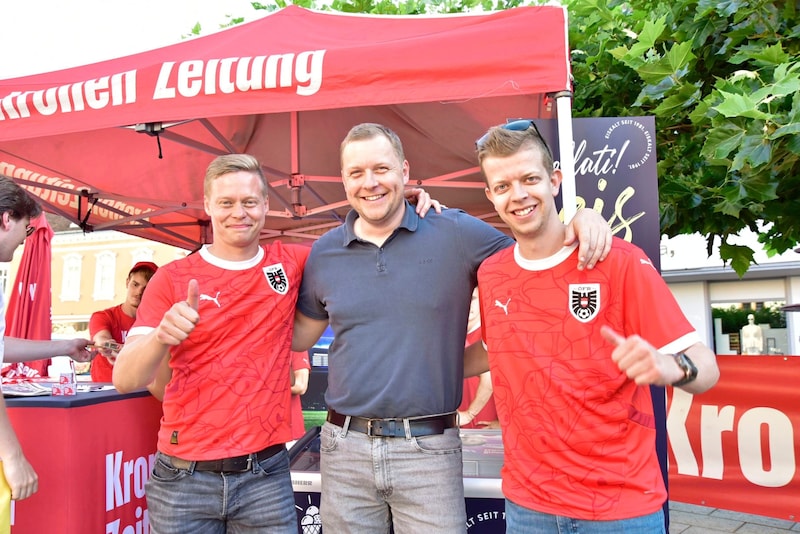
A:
277	464
447	443
163	470
328	437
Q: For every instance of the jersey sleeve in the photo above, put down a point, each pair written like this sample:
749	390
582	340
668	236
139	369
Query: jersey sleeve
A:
300	360
99	321
156	301
650	308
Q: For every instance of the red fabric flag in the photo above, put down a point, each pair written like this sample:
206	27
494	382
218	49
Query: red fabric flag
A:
28	313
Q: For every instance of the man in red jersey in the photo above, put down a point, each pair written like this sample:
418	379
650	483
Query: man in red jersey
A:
221	320
109	328
572	354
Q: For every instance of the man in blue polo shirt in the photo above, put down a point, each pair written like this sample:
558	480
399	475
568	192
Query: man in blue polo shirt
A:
396	289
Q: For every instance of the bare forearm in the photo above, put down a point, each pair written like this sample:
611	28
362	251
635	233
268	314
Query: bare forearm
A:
300	385
23	350
20	475
707	370
306	331
139	362
476	360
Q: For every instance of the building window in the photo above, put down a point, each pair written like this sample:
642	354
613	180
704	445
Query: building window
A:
142	254
750	328
71	278
104	276
3	278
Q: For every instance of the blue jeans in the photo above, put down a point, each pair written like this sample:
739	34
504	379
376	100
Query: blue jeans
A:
258	500
521	520
370	483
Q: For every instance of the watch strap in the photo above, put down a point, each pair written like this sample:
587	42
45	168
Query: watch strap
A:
687	366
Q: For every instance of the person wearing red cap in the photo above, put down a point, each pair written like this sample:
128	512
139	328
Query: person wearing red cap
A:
109	327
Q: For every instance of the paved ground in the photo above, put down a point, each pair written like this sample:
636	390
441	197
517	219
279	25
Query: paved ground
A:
691	519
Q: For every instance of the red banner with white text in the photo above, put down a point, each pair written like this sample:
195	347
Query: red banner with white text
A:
736	447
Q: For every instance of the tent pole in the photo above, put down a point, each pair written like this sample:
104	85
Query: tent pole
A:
566	156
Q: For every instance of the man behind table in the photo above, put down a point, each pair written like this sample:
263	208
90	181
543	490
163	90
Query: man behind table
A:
112	324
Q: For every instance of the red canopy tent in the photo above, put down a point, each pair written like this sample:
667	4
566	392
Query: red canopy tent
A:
123	144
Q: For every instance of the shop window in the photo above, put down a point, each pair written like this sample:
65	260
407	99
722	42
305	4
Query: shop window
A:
752	328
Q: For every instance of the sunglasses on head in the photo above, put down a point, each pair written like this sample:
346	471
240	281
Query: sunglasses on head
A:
518	125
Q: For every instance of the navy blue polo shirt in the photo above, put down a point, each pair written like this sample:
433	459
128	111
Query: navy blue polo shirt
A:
398	312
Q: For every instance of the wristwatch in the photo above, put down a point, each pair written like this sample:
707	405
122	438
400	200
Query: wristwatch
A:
687	366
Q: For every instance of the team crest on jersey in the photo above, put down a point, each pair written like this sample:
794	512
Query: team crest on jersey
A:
584	301
277	278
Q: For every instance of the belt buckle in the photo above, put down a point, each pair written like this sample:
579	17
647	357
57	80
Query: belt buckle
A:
249	464
386	427
369	427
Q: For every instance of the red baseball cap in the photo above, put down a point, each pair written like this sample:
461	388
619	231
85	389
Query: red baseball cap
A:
142	265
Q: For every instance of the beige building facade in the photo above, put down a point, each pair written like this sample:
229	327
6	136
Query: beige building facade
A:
88	273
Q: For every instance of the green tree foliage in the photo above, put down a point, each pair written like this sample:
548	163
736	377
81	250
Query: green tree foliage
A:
722	78
723	81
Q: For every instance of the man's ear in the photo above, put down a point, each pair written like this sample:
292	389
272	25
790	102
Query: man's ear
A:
555	181
6	220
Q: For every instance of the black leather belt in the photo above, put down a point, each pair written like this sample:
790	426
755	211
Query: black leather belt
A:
237	464
395	427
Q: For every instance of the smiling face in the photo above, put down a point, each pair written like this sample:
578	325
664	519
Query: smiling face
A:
237	206
374	177
523	193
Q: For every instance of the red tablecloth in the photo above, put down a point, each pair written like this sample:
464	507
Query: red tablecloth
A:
93	453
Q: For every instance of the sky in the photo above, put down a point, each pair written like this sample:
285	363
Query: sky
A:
45	35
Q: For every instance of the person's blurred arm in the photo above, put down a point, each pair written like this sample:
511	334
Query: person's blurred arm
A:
300	385
100	332
476	359
482	395
19	473
25	350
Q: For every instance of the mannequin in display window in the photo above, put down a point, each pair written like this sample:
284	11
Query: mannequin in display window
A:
752	337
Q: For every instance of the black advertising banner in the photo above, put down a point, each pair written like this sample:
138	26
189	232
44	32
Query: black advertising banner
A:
616	175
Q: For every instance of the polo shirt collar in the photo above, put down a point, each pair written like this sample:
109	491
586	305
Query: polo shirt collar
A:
410	222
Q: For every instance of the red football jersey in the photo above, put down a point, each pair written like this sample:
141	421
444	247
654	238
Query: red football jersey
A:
579	436
229	393
118	323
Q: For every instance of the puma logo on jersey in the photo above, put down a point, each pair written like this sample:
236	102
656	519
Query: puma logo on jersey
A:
214	299
647	262
501	305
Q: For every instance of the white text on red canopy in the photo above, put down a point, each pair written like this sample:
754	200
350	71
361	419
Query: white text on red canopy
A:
186	79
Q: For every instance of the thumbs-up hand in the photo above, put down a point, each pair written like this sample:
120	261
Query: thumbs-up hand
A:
181	318
637	358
